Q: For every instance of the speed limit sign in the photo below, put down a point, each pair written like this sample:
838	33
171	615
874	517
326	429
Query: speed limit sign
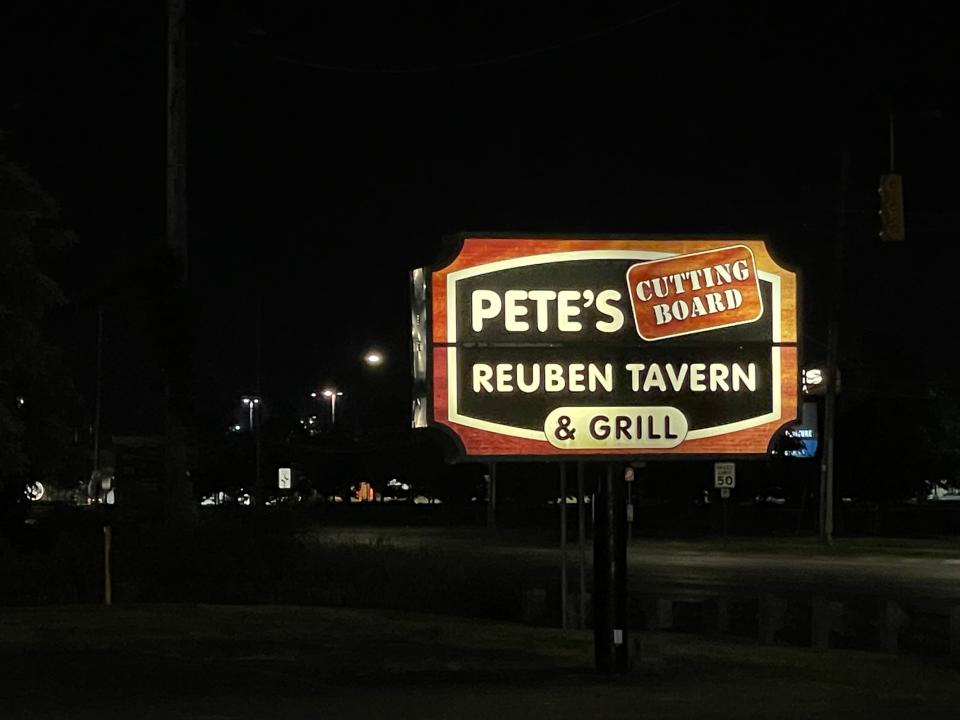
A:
724	475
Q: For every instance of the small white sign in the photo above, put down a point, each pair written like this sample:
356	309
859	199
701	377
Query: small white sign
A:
628	474
724	493
724	475
284	478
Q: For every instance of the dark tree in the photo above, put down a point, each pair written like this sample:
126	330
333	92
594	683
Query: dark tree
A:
895	448
37	395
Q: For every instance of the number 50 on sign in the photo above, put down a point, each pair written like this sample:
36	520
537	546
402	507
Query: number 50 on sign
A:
724	475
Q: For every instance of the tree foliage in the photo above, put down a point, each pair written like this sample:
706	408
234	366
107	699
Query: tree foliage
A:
892	449
36	391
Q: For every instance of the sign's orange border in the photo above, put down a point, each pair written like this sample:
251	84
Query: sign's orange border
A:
484	248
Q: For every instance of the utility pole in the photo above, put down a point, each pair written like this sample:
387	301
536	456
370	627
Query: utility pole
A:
258	491
892	222
833	345
177	494
891	128
176	229
98	391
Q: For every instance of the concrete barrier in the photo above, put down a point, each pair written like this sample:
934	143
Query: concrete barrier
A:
645	652
534	606
777	618
716	616
894	620
770	615
825	617
955	633
573	611
658	613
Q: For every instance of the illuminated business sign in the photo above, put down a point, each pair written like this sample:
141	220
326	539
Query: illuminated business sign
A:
816	381
566	346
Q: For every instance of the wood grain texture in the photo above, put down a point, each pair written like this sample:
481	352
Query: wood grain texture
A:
750	441
481	250
652	273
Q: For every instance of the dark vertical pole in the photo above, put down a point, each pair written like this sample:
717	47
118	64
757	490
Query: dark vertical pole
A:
581	547
492	497
723	502
177	135
258	489
610	576
621	648
893	165
107	576
178	507
833	344
563	545
97	401
829	430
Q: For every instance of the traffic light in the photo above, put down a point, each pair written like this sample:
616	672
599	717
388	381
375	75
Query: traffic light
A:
891	208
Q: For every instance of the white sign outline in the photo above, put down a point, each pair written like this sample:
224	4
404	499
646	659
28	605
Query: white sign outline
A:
454	277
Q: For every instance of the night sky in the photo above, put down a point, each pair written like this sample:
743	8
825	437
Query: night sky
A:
332	146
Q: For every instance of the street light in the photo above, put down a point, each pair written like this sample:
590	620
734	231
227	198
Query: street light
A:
251	402
373	358
332	394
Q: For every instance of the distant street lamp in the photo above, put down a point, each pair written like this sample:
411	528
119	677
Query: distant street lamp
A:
251	402
332	394
373	358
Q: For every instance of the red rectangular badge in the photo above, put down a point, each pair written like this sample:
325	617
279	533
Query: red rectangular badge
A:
695	293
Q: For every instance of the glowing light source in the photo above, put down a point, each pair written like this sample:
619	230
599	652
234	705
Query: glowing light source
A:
332	394
373	358
251	402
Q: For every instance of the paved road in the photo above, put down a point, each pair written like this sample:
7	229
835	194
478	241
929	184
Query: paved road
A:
698	573
702	569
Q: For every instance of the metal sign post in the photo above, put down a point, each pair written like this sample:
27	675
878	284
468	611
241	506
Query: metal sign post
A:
492	497
610	575
563	545
581	547
724	479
